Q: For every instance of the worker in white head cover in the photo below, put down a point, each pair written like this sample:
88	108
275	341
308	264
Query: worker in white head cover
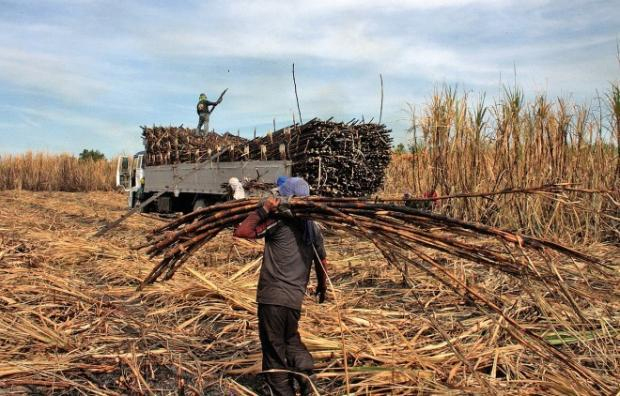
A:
236	188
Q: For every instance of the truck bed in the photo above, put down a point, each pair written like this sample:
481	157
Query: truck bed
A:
209	179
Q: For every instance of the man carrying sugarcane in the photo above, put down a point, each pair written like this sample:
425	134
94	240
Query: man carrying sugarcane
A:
291	246
202	108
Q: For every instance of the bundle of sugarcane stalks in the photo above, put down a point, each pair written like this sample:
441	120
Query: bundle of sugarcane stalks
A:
404	236
336	158
173	145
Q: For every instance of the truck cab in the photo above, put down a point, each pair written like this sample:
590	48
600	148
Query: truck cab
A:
185	187
130	176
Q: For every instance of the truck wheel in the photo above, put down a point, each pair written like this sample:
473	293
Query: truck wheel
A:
148	208
199	204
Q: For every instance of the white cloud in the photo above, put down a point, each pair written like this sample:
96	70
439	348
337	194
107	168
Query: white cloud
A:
88	125
343	32
48	73
134	62
327	7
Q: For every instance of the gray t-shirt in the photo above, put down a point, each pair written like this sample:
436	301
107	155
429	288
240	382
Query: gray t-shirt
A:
287	261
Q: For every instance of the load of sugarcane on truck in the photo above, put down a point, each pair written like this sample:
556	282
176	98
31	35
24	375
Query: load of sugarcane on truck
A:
188	169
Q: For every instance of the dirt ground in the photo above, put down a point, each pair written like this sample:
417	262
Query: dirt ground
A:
71	321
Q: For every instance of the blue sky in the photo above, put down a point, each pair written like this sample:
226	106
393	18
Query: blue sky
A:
86	74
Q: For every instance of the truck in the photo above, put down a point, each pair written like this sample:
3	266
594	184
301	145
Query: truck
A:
185	187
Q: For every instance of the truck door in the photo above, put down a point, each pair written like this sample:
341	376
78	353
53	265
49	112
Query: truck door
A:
123	173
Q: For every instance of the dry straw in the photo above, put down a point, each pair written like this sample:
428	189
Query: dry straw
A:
401	234
70	319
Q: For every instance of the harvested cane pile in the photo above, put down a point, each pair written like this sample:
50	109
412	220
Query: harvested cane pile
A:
336	158
404	235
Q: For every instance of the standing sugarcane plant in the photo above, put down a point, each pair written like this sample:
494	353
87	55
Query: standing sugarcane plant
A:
614	104
469	145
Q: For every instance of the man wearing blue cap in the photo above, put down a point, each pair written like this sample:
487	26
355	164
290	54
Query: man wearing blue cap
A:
291	246
279	182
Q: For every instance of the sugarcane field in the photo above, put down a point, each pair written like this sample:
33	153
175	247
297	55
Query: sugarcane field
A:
309	198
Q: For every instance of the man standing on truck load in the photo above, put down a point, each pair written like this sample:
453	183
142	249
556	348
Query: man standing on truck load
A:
291	245
202	108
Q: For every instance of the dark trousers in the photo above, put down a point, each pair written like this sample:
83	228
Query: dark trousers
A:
283	349
203	120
